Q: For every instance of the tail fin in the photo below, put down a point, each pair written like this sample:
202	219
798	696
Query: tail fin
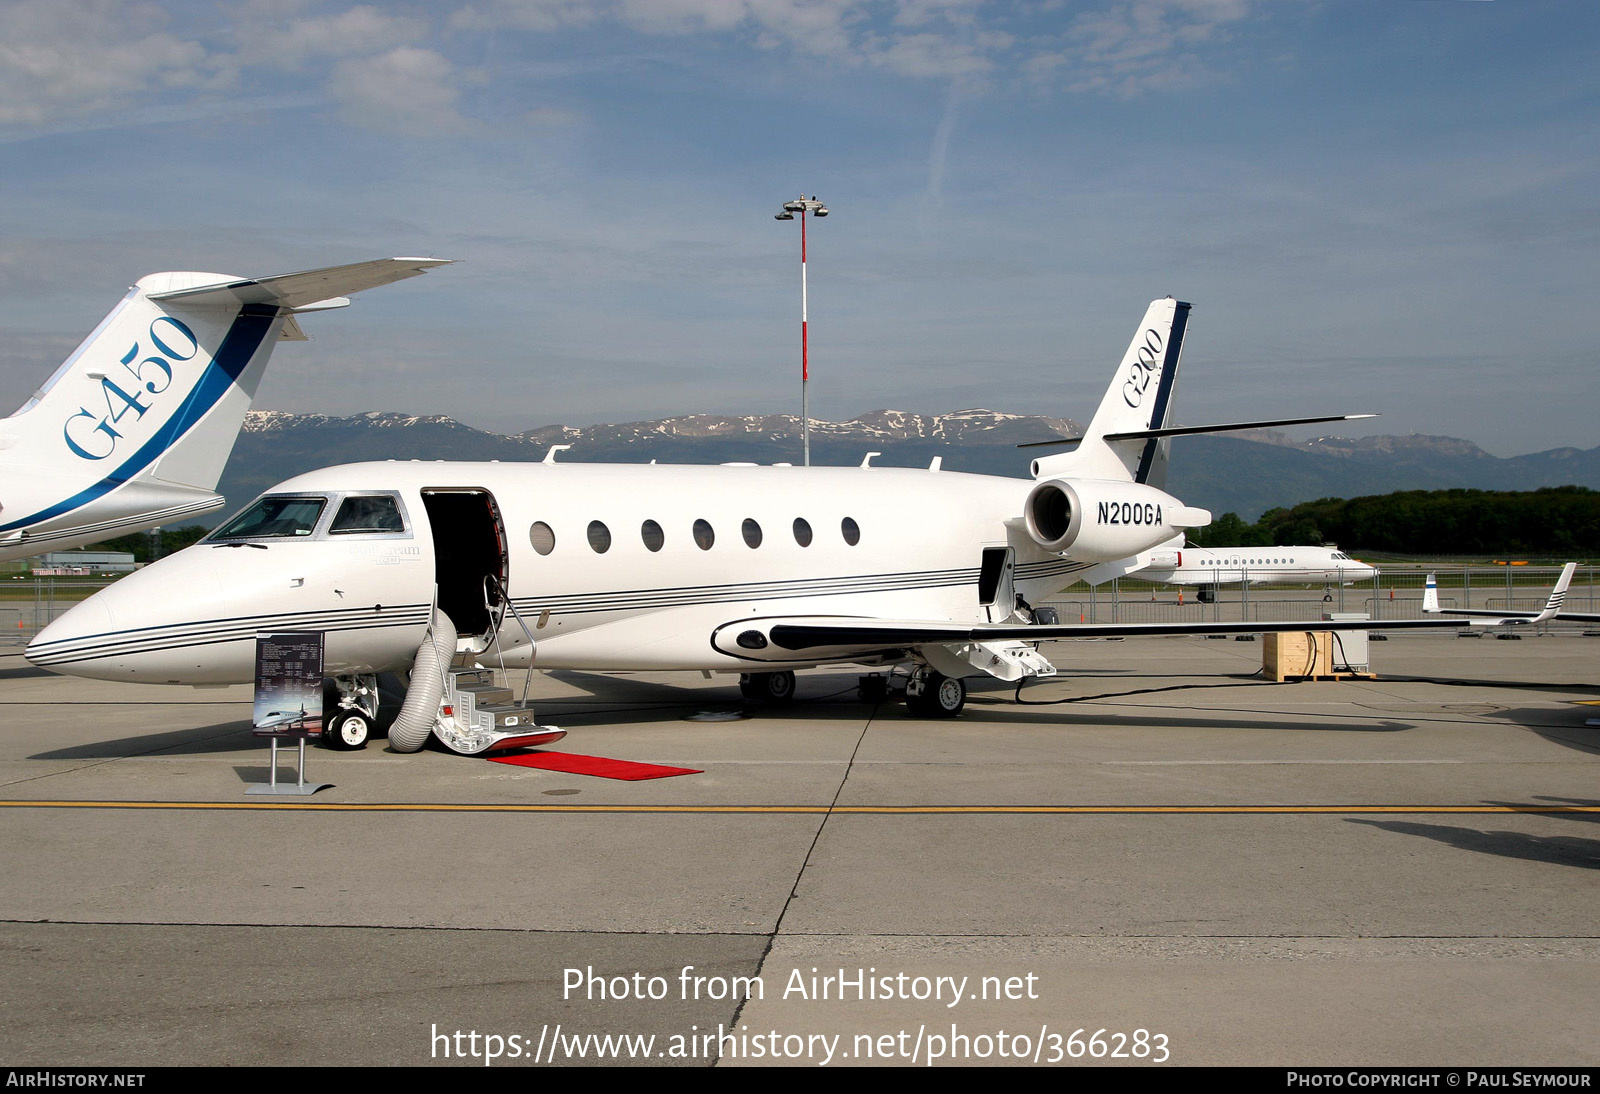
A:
1558	595
141	418
1140	398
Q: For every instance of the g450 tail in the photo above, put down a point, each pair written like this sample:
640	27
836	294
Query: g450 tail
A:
134	428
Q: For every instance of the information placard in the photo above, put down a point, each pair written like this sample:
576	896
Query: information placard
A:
289	684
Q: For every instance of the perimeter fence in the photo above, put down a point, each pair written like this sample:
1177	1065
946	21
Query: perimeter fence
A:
1395	592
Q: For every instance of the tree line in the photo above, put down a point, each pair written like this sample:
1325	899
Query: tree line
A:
1556	521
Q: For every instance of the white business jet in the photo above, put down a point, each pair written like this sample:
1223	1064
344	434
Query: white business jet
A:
1208	567
435	567
134	428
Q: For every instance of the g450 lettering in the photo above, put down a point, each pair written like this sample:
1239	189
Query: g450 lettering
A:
93	435
1144	368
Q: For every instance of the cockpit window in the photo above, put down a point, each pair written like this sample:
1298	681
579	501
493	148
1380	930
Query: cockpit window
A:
367	513
274	517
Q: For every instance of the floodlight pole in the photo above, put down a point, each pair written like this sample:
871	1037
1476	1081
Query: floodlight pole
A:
803	205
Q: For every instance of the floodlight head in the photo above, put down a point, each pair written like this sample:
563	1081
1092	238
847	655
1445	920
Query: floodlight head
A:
784	216
821	210
794	206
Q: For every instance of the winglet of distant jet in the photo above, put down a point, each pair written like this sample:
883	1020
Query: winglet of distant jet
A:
1552	606
133	430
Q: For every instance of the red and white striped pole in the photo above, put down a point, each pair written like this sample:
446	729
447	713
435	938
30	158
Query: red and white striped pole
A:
805	353
804	205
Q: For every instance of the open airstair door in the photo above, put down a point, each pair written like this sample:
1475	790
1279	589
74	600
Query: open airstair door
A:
469	552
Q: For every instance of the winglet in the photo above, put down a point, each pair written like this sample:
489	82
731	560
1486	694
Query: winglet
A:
1430	596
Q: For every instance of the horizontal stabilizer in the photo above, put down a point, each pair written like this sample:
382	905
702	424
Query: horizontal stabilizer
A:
1190	430
302	290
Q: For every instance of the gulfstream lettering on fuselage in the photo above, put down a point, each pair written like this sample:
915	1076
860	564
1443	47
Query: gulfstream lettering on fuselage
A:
1129	513
165	331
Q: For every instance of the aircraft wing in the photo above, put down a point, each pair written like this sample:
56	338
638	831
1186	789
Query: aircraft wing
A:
326	286
1552	606
812	639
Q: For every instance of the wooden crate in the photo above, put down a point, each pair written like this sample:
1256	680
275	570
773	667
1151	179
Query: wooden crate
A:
1291	654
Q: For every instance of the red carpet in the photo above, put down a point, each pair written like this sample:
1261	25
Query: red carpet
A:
598	766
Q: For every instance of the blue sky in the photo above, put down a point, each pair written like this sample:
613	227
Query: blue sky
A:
1385	206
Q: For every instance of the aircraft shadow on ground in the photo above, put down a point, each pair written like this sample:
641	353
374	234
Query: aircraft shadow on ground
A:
1586	690
228	737
1557	850
1563	727
25	673
990	699
1065	716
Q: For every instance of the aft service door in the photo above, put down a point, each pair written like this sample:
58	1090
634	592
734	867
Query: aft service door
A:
996	591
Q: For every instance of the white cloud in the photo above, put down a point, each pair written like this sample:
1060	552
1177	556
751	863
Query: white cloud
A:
929	56
63	60
543	15
1137	45
406	90
355	31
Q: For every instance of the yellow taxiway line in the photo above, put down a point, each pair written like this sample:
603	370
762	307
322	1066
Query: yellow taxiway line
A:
858	810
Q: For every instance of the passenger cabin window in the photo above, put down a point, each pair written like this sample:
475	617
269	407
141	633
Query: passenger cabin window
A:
851	531
374	513
274	518
704	537
652	535
542	537
599	537
802	532
752	533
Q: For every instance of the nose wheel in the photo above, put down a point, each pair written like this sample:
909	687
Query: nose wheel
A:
347	730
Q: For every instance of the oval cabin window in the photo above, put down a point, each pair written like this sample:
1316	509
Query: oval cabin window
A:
851	530
704	537
802	532
599	537
542	538
752	533
652	535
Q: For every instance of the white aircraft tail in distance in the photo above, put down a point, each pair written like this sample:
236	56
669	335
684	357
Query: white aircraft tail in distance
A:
1483	617
134	428
739	569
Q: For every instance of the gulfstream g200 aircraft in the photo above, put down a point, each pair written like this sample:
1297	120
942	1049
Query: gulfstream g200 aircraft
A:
754	570
134	428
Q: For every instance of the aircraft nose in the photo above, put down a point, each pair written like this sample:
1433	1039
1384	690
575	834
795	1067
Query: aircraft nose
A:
133	629
72	629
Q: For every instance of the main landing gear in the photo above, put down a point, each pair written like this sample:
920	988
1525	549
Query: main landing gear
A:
931	694
767	687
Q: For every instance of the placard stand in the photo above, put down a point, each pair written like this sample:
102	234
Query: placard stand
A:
288	700
300	786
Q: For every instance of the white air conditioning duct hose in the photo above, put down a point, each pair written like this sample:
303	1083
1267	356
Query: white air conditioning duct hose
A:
420	711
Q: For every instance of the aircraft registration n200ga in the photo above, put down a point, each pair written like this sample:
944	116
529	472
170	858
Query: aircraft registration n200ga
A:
756	570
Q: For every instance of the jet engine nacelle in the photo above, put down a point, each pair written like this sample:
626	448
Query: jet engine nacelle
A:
1101	521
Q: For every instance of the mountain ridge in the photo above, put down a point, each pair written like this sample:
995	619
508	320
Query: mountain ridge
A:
1246	473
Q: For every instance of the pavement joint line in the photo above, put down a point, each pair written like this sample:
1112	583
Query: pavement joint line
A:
813	810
